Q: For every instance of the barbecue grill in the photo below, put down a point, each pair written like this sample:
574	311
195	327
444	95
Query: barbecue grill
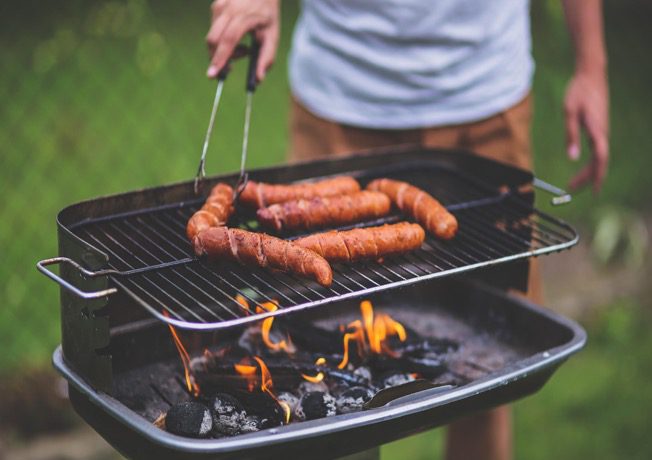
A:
127	269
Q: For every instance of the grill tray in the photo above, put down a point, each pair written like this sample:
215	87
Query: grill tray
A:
139	239
541	339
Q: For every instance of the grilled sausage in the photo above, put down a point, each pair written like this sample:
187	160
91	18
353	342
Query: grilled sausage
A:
215	212
364	243
260	194
261	250
422	206
324	211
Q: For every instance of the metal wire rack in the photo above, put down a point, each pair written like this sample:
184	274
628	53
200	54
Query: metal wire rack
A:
151	260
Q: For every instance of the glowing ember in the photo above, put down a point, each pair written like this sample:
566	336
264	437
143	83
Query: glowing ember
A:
185	359
248	372
371	333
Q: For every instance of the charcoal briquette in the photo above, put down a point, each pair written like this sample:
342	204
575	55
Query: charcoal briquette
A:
228	414
251	424
289	399
314	405
191	419
353	399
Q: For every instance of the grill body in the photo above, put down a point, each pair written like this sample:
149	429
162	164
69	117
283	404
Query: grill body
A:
138	237
540	340
135	241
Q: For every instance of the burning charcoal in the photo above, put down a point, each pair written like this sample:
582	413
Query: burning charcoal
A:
190	419
396	380
353	399
363	373
311	387
251	424
228	414
314	405
271	414
289	399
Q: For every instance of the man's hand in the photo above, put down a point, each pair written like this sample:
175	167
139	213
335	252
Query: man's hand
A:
586	106
231	20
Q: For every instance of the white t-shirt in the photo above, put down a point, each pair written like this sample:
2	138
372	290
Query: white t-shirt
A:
399	64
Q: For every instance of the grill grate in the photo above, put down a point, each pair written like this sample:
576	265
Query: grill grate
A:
154	262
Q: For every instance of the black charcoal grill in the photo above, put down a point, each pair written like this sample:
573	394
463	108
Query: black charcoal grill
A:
127	269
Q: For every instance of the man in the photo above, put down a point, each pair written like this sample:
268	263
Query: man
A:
442	73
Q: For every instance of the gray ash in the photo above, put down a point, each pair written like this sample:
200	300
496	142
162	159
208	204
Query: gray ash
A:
353	399
228	414
289	399
310	387
315	404
395	380
191	419
251	424
363	373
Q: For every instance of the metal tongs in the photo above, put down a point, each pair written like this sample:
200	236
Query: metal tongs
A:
251	84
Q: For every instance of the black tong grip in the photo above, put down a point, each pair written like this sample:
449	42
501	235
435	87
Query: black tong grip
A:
254	51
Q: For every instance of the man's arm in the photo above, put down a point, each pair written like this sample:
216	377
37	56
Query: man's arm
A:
587	97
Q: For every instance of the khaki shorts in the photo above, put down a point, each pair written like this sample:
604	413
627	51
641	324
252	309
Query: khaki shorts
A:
504	137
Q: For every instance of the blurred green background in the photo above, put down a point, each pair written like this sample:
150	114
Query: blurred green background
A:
107	96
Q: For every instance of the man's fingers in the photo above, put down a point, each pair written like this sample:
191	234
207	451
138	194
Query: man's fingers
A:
582	178
600	145
227	43
269	43
212	41
572	133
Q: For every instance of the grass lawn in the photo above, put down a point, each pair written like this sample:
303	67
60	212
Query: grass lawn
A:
107	96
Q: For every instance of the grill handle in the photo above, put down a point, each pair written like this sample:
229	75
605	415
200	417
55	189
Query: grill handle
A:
560	196
42	264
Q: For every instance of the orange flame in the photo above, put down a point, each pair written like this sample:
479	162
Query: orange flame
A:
320	375
358	336
185	359
242	301
266	328
267	385
371	333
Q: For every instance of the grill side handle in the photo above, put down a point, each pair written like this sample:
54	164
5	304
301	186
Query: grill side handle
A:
560	196
42	264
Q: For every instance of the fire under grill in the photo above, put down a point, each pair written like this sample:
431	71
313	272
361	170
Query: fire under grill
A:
150	258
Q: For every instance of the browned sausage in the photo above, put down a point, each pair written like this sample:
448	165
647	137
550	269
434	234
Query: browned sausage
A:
324	211
422	206
261	250
260	194
215	212
365	243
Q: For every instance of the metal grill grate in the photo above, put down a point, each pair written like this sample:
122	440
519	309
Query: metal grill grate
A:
156	266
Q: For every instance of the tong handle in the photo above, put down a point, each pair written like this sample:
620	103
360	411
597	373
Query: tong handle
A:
40	266
254	52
